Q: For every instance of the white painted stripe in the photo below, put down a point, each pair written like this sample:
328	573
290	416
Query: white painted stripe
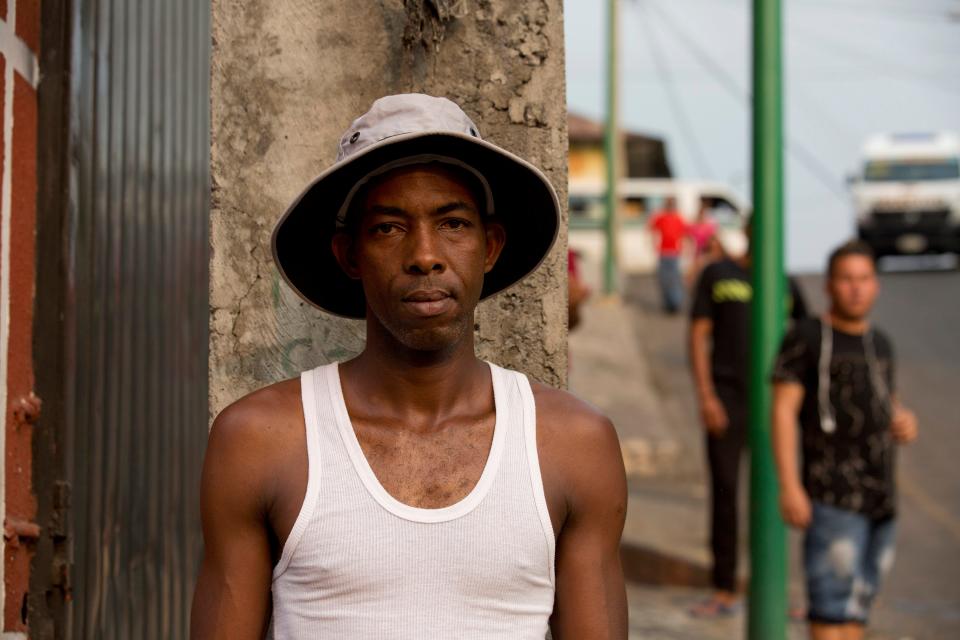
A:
17	53
5	207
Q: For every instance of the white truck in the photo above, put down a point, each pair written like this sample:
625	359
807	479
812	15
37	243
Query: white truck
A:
907	195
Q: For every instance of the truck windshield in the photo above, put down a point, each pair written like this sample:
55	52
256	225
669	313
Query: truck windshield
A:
914	170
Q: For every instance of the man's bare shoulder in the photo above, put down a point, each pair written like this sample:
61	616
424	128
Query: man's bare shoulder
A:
260	430
564	416
261	413
569	428
580	456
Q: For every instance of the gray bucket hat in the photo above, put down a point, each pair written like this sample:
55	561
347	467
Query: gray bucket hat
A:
401	130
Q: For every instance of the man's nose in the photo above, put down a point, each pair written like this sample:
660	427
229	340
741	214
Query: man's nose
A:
424	255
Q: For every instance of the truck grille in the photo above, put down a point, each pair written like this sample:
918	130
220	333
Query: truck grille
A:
918	220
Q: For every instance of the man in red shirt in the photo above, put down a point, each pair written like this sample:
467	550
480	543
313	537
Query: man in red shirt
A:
670	228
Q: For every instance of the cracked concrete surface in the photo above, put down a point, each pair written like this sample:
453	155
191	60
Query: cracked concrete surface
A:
288	76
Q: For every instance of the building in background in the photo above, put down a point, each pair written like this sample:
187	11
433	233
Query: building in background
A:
645	156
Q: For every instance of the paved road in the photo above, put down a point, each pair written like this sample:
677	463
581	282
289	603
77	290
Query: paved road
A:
921	312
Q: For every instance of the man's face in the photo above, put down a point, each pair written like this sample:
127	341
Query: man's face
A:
421	248
853	287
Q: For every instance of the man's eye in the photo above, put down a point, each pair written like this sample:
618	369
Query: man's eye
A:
455	223
384	228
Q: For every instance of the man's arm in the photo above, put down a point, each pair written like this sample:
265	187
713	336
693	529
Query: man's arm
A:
713	415
904	426
584	474
712	412
794	502
232	597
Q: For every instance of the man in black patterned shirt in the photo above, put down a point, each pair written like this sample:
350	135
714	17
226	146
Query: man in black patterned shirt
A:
835	377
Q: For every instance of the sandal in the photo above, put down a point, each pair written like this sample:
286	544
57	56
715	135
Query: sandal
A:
715	608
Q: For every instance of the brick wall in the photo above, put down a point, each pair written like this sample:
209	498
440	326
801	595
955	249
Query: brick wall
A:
19	46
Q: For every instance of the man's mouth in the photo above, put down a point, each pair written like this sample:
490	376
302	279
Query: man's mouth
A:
428	302
426	295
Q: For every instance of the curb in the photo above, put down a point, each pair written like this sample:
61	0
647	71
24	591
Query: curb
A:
648	566
645	565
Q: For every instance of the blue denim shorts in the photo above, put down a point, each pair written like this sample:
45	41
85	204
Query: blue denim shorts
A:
845	556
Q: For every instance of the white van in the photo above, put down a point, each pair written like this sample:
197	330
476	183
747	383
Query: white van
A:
640	197
907	196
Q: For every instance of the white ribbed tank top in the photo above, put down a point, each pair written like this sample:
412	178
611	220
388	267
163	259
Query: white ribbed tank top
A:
359	564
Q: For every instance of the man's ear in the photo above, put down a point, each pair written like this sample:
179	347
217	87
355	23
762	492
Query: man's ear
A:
342	246
496	238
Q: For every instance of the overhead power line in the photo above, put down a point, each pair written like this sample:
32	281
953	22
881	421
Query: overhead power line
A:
879	9
679	112
804	156
881	65
866	9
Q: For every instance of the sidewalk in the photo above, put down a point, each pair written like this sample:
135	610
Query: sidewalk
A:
608	368
660	613
666	518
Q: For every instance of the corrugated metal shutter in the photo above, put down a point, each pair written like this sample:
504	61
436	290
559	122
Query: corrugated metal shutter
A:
135	310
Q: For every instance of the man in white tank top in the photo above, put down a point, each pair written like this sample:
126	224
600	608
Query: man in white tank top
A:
414	491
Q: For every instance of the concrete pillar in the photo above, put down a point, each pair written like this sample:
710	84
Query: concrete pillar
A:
288	76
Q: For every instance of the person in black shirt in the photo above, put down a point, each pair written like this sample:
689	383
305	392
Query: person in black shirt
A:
836	378
719	339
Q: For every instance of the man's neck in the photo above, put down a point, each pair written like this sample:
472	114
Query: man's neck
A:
417	385
844	324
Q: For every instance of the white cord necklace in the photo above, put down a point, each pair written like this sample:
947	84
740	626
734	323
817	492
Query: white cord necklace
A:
828	421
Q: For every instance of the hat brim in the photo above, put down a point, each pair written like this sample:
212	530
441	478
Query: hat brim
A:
525	204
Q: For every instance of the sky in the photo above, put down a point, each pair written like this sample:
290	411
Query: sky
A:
851	68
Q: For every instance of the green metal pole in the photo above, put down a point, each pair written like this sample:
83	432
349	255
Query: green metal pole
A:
768	567
610	144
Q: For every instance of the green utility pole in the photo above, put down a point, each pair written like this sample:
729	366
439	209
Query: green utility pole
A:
611	140
768	565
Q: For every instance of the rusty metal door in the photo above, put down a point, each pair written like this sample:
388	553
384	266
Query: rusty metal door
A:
122	311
